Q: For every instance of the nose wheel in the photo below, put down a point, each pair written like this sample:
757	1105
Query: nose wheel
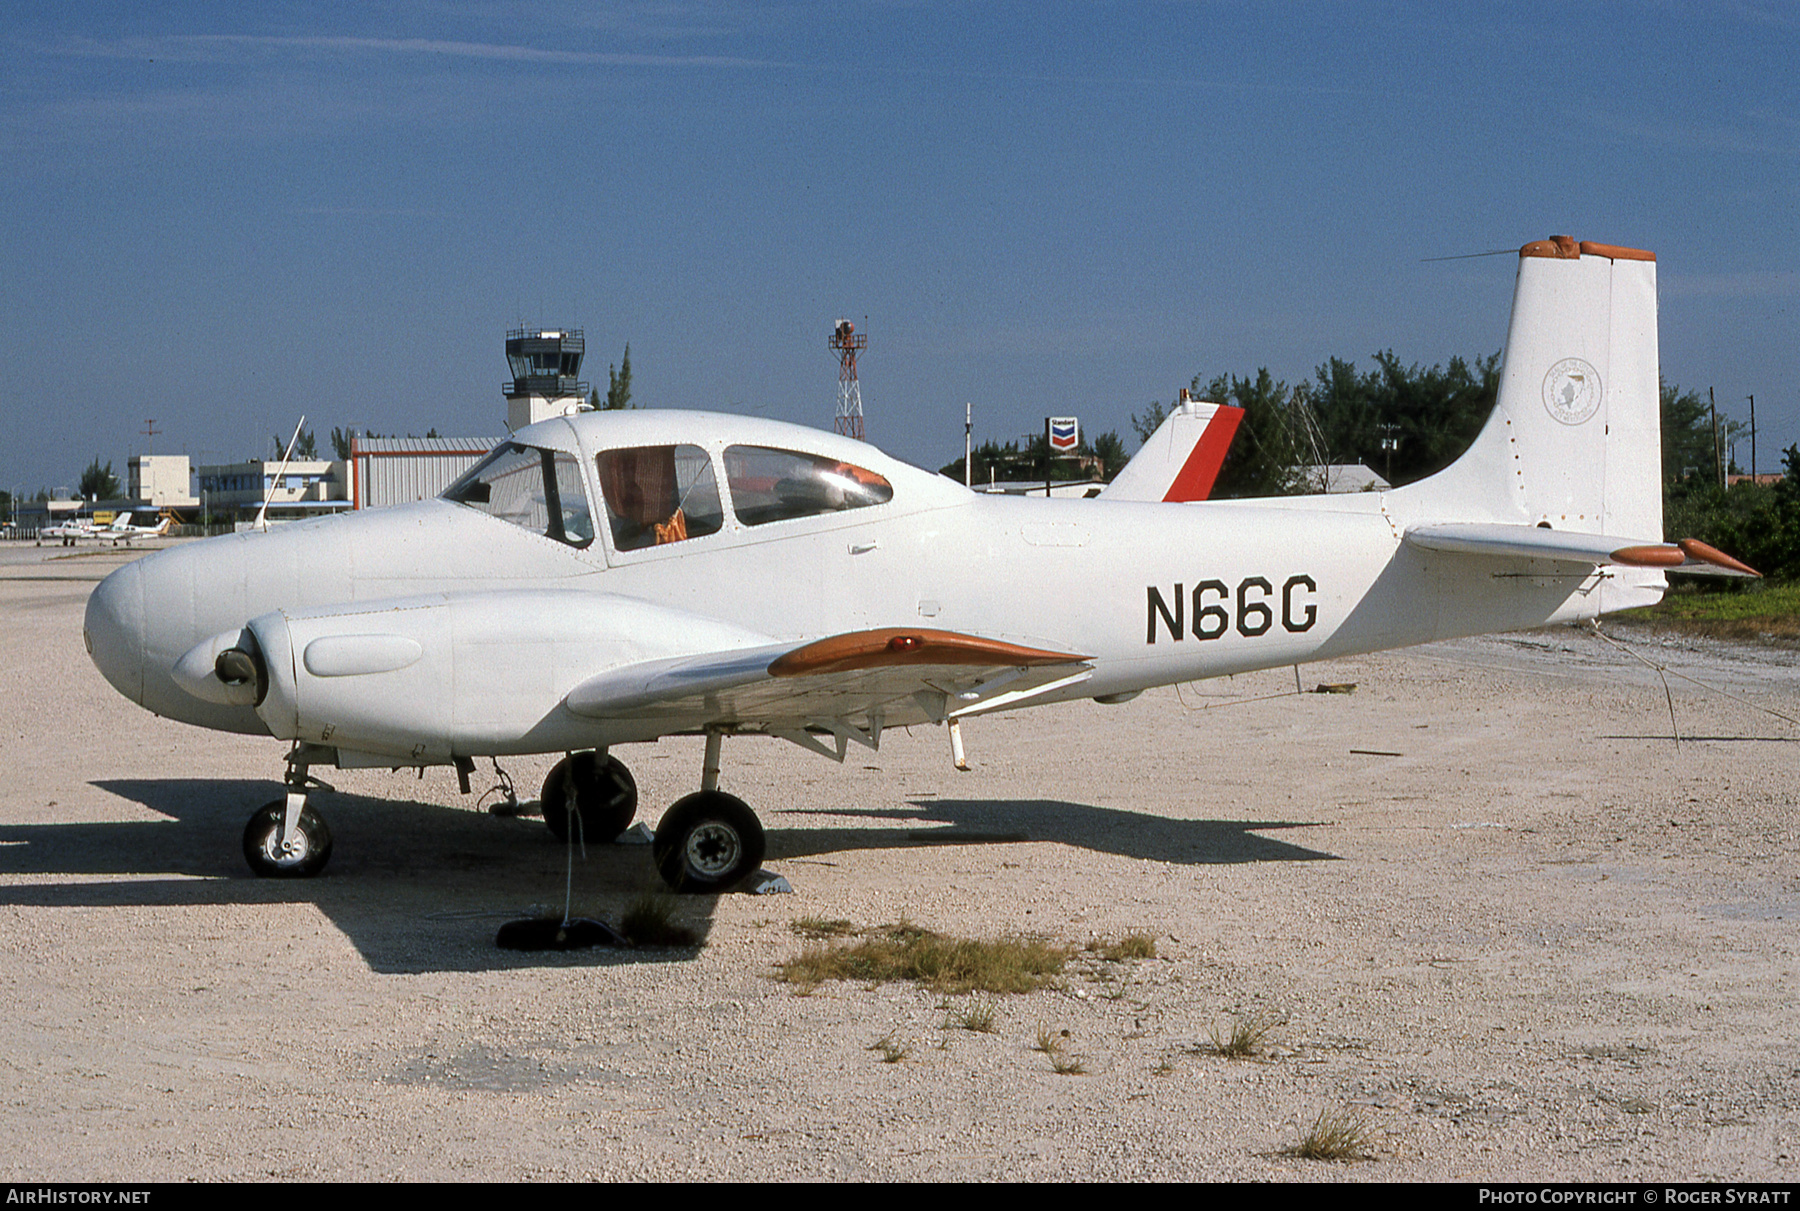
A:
286	839
300	855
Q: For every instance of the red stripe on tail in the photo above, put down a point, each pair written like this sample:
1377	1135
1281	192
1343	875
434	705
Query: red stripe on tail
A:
1195	479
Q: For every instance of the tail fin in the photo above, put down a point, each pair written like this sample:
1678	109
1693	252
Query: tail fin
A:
1575	439
1181	459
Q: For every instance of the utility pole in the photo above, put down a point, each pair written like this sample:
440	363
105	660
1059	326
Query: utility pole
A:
1718	459
1752	439
968	439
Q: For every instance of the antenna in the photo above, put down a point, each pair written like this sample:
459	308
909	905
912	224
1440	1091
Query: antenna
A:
262	514
847	343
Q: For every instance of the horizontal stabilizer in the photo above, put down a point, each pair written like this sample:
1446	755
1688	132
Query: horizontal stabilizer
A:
1562	546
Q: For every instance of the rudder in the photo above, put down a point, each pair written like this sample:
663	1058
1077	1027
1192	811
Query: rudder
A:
1575	436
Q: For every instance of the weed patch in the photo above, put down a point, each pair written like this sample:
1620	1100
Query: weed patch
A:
1245	1038
1130	946
818	929
650	921
979	1015
943	964
1336	1135
892	1049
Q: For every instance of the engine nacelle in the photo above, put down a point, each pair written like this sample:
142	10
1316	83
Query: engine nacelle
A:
425	679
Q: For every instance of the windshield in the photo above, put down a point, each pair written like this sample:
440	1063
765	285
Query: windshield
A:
536	490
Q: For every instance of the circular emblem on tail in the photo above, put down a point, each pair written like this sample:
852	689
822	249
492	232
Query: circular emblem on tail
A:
1572	391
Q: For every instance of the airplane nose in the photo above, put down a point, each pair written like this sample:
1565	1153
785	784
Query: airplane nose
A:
114	630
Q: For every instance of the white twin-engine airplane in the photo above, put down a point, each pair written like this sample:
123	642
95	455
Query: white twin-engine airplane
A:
610	578
120	529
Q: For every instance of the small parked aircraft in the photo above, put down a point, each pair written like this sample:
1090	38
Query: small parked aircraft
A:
69	532
609	578
120	529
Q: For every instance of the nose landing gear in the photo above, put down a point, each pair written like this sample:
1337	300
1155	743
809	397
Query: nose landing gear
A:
296	855
286	839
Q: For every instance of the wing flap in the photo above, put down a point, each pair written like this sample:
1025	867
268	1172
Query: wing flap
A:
901	673
1562	546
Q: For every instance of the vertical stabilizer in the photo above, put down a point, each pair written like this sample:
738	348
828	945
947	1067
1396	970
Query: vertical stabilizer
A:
1181	460
1575	437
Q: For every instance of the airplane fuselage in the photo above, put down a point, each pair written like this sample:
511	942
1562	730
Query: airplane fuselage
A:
1151	594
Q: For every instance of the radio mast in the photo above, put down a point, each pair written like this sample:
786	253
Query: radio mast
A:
848	343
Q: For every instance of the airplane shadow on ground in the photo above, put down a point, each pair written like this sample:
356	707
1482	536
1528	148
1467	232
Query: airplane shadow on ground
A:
1007	821
419	887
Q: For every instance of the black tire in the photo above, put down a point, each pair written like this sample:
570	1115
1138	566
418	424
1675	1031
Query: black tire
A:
606	796
305	857
707	842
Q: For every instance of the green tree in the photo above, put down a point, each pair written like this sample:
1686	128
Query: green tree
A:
1150	421
1405	422
1266	454
99	483
340	442
618	390
304	446
1110	450
1688	455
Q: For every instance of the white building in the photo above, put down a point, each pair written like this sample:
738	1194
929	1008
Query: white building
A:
305	488
160	481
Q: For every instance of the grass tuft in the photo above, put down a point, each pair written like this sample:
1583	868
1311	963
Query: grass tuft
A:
1245	1038
979	1015
1130	946
943	964
650	921
892	1049
1067	1065
1336	1135
818	929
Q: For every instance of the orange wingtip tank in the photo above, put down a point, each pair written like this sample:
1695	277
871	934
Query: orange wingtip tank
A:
1567	248
1698	551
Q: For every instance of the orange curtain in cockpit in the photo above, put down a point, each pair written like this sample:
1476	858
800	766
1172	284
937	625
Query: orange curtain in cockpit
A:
639	483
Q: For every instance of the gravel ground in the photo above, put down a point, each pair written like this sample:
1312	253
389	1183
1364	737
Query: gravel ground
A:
1498	913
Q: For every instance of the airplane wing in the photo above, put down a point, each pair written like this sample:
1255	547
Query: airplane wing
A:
1182	458
1561	546
894	675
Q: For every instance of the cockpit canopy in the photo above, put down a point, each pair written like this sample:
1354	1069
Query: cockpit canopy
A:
654	495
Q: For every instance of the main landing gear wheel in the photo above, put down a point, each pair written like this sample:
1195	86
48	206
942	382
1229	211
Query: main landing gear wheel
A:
304	855
707	842
605	796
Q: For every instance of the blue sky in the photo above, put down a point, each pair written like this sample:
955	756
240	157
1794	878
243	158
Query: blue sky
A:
223	216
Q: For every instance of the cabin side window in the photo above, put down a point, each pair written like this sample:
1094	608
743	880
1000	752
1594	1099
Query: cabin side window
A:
776	485
536	490
659	494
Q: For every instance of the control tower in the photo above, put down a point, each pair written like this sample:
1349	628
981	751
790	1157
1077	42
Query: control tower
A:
546	381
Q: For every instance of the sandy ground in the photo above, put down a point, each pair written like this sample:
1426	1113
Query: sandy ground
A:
1499	912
